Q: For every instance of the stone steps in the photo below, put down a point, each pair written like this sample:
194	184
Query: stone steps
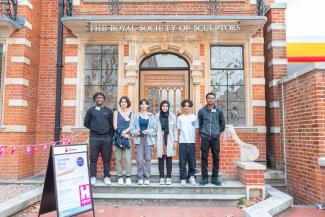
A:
154	194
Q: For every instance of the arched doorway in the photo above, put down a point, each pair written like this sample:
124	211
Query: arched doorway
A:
164	76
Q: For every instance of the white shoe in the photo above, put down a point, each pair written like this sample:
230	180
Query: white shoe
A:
162	181
183	182
128	181
120	181
192	180
140	182
107	181
147	182
168	181
93	180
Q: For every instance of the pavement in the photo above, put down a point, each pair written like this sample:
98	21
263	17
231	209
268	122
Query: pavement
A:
165	211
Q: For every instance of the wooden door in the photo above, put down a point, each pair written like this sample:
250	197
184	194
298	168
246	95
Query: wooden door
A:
171	85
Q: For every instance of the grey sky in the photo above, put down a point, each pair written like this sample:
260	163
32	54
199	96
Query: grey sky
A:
305	17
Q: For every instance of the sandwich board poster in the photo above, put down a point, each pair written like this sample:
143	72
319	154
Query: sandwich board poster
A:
70	180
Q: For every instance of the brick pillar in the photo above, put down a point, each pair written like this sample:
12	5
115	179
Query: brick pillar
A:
20	93
275	69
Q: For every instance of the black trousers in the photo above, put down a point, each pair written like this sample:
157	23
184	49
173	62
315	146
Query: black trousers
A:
187	156
161	166
206	144
102	145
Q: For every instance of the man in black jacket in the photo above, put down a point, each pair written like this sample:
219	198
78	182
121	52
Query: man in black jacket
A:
211	124
99	119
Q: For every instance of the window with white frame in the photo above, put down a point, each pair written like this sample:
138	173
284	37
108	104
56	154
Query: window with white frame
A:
227	81
100	74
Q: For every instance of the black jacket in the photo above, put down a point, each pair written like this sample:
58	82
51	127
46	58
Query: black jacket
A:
211	122
100	122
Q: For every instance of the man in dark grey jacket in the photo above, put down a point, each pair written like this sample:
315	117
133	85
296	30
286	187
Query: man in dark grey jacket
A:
211	124
99	119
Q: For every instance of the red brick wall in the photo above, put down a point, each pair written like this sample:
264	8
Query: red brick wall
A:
39	115
274	72
304	102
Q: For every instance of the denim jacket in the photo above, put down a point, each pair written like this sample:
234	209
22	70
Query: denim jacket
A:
152	129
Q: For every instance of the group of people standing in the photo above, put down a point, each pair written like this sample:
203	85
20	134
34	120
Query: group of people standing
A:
162	133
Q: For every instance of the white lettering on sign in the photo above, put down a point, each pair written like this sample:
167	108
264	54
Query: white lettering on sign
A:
164	28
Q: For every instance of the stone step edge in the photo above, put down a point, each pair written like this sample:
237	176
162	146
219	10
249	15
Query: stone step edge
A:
169	196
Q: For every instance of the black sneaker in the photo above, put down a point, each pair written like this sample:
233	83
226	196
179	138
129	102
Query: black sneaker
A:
204	182
216	181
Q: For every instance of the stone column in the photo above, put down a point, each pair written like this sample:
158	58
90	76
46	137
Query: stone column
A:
132	71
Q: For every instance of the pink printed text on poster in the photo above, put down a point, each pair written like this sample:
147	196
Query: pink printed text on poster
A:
85	196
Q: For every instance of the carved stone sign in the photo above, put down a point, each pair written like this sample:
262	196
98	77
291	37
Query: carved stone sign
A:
164	28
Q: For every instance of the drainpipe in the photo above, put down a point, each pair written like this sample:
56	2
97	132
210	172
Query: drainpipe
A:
284	134
57	128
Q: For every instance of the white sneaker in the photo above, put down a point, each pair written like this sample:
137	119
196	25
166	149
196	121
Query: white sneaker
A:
168	181
147	182
120	181
93	181
192	180
140	182
183	182
162	181
128	181
107	181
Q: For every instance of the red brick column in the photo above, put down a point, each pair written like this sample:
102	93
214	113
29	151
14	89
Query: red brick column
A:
252	175
275	69
20	92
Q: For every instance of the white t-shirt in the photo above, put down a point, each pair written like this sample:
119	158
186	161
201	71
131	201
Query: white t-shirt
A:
187	124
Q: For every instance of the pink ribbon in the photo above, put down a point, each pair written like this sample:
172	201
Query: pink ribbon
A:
13	149
28	148
2	149
35	149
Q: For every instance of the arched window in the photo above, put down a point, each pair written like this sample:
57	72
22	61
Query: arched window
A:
163	60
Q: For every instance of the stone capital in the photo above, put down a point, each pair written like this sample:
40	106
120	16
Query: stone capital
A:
131	74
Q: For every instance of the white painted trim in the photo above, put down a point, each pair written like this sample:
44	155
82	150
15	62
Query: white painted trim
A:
261	129
257	40
281	5
13	128
321	161
276	26
16	81
315	66
67	129
20	59
251	166
278	61
26	3
275	130
258	81
72	41
22	41
70	81
69	102
277	44
28	25
71	59
18	102
258	59
76	2
274	83
256	103
274	104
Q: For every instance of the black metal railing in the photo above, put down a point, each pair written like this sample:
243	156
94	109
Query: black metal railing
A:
260	7
214	7
9	8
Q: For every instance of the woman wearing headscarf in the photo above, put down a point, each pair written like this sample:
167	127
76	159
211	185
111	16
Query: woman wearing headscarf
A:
167	137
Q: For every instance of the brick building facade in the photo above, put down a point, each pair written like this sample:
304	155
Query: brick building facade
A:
236	49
